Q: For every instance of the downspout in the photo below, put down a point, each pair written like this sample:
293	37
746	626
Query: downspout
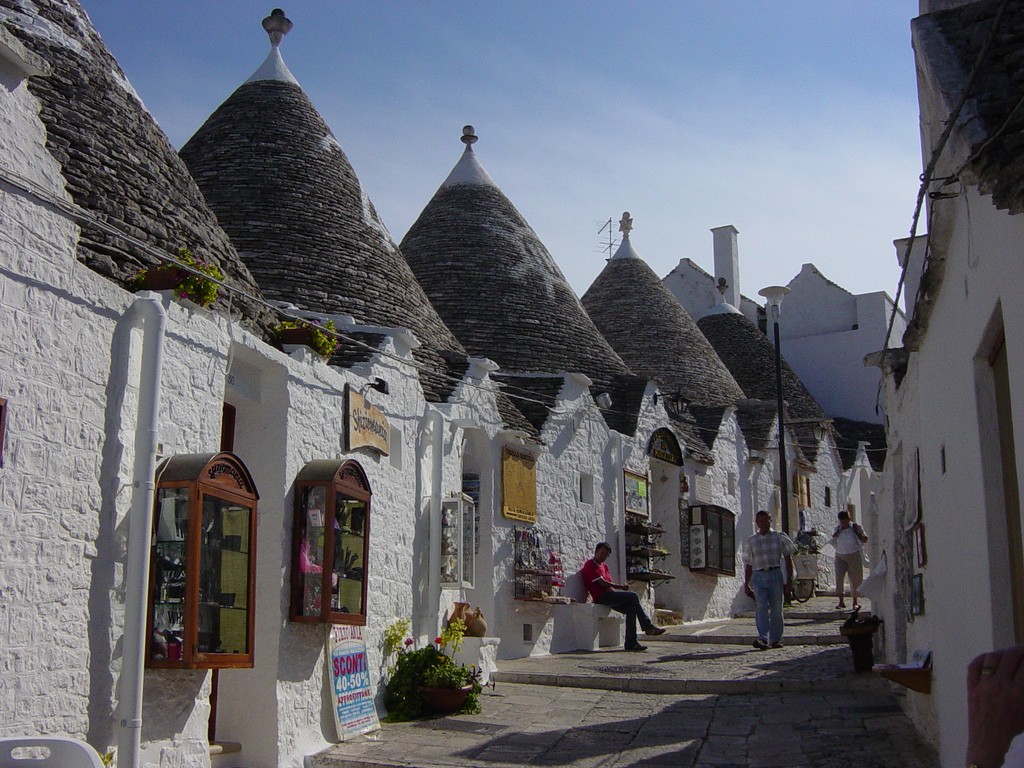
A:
147	311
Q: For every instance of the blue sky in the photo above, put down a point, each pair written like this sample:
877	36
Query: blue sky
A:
795	121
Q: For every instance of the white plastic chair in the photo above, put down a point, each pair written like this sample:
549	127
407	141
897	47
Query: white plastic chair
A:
52	751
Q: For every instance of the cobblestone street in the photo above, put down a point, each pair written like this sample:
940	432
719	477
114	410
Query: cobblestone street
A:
700	697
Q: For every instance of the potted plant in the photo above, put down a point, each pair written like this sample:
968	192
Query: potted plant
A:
316	335
427	680
197	288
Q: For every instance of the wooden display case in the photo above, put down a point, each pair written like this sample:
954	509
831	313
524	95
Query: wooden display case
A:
202	564
330	543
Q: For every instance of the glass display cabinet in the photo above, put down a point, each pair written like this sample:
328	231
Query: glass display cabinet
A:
202	564
330	543
458	542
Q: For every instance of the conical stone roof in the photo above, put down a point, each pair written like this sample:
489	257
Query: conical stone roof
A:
116	162
285	192
652	332
750	357
496	285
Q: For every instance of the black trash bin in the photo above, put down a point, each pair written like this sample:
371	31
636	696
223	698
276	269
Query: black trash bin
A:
860	633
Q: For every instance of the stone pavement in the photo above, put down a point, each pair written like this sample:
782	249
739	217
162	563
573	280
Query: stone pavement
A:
699	697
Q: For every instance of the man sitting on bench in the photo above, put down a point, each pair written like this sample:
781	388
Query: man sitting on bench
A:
604	591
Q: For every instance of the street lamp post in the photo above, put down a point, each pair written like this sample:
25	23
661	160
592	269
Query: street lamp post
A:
773	295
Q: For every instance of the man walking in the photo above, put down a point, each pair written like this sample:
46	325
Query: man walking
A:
849	540
603	591
763	556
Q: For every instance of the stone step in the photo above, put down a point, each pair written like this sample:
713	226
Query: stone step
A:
747	638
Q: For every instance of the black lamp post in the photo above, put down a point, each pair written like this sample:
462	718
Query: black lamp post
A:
773	295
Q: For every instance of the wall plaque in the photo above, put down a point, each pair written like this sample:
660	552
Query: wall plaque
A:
518	485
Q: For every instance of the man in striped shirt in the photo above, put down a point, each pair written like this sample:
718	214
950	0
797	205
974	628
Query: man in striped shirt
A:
763	556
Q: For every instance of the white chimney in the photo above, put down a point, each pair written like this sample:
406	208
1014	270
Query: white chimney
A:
727	262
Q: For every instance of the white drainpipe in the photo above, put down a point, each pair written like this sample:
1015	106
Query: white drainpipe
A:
147	311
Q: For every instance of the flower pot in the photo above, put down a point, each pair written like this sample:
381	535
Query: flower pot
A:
162	278
297	336
441	701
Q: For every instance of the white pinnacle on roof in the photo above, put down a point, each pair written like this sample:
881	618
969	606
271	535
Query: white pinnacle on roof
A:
723	307
625	250
273	67
468	170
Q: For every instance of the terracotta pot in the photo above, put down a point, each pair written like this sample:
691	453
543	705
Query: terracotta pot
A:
476	625
162	278
441	701
297	336
460	611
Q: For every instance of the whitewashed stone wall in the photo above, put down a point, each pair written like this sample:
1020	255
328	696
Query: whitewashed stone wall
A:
943	428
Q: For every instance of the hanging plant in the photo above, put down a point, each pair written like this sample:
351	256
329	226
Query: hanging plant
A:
197	288
316	335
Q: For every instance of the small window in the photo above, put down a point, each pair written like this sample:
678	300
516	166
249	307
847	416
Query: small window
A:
828	496
330	543
586	488
712	540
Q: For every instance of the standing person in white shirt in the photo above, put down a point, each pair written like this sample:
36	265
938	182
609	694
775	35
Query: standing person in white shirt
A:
764	555
849	540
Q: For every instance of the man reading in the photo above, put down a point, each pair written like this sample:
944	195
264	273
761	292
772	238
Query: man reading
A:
618	597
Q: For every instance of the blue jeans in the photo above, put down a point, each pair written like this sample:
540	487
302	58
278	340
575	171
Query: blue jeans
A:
629	604
768	587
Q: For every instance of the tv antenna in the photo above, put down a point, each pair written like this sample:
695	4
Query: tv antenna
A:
608	248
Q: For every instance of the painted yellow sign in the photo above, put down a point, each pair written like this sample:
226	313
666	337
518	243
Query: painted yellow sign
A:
518	485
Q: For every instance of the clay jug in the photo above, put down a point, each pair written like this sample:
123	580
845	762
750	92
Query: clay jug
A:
476	625
461	612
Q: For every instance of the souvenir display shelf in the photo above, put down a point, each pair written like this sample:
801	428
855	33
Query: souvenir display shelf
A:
539	576
644	551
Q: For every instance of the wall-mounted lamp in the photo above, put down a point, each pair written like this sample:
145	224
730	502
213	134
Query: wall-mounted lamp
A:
604	400
380	385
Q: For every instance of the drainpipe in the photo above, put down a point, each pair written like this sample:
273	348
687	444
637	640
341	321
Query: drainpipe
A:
146	311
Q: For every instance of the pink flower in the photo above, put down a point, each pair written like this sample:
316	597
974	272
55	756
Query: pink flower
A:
438	640
408	641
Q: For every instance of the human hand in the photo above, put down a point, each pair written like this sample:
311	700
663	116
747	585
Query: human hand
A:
748	590
995	705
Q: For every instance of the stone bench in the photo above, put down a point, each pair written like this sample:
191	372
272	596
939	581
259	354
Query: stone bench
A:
585	627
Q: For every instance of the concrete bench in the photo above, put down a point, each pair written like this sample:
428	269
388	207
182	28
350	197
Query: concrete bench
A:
585	626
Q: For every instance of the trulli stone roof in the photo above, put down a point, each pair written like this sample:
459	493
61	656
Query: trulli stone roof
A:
991	121
117	163
750	356
848	433
496	285
285	192
989	130
652	332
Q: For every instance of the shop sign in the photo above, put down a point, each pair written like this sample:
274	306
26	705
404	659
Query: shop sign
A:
354	711
366	425
664	446
518	485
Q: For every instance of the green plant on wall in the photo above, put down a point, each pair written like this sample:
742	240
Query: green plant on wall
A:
186	284
321	335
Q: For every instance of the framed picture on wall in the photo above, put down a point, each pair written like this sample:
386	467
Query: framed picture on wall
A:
917	594
637	499
919	545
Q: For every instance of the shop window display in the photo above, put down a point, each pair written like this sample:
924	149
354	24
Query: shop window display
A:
202	564
331	543
458	542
